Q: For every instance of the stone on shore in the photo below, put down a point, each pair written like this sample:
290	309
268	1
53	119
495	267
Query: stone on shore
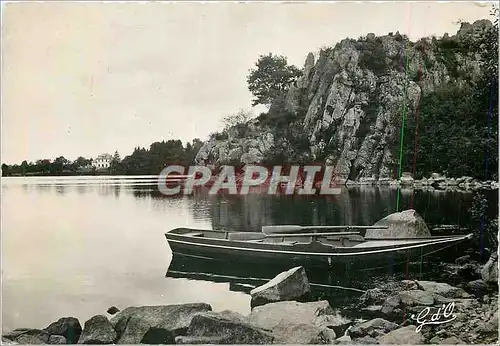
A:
405	224
112	310
199	340
294	322
6	341
69	327
57	340
489	273
372	328
134	330
289	285
452	340
442	289
227	328
97	330
166	321
26	339
416	297
28	336
402	336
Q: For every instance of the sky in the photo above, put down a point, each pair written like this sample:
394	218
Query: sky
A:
81	79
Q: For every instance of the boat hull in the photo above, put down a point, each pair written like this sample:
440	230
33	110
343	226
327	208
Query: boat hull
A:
289	256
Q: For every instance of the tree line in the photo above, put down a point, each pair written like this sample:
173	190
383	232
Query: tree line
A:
142	161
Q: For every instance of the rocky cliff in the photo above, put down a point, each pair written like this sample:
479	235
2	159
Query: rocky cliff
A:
350	101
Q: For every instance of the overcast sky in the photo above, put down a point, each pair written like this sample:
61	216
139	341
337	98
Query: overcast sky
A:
87	78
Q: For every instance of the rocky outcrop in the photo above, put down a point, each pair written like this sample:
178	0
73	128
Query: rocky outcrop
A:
290	285
349	100
405	224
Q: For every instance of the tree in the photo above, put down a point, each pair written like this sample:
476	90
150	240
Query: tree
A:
114	165
271	78
240	118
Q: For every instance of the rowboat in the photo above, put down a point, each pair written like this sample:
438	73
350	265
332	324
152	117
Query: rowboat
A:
309	249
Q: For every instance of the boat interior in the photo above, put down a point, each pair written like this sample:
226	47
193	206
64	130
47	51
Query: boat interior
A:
343	239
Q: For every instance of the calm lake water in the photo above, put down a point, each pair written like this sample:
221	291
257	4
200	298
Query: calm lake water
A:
74	246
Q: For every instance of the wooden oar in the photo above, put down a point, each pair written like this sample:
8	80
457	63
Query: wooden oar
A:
294	228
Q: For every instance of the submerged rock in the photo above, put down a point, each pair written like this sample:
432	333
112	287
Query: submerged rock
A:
405	224
69	327
290	285
97	330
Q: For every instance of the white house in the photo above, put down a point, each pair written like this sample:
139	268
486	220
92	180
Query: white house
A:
102	161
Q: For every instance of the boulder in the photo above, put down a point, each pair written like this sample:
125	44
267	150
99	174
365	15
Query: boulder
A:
477	287
97	330
443	289
402	336
294	322
405	224
166	321
27	335
290	285
489	273
416	297
69	327
134	330
343	340
302	334
227	328
26	339
271	315
6	341
199	340
452	340
372	328
365	340
57	340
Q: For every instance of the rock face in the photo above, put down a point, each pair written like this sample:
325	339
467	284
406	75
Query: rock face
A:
98	330
349	101
405	224
68	327
290	285
166	322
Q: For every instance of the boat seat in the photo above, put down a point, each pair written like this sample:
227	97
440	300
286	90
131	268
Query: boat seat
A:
194	234
245	236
